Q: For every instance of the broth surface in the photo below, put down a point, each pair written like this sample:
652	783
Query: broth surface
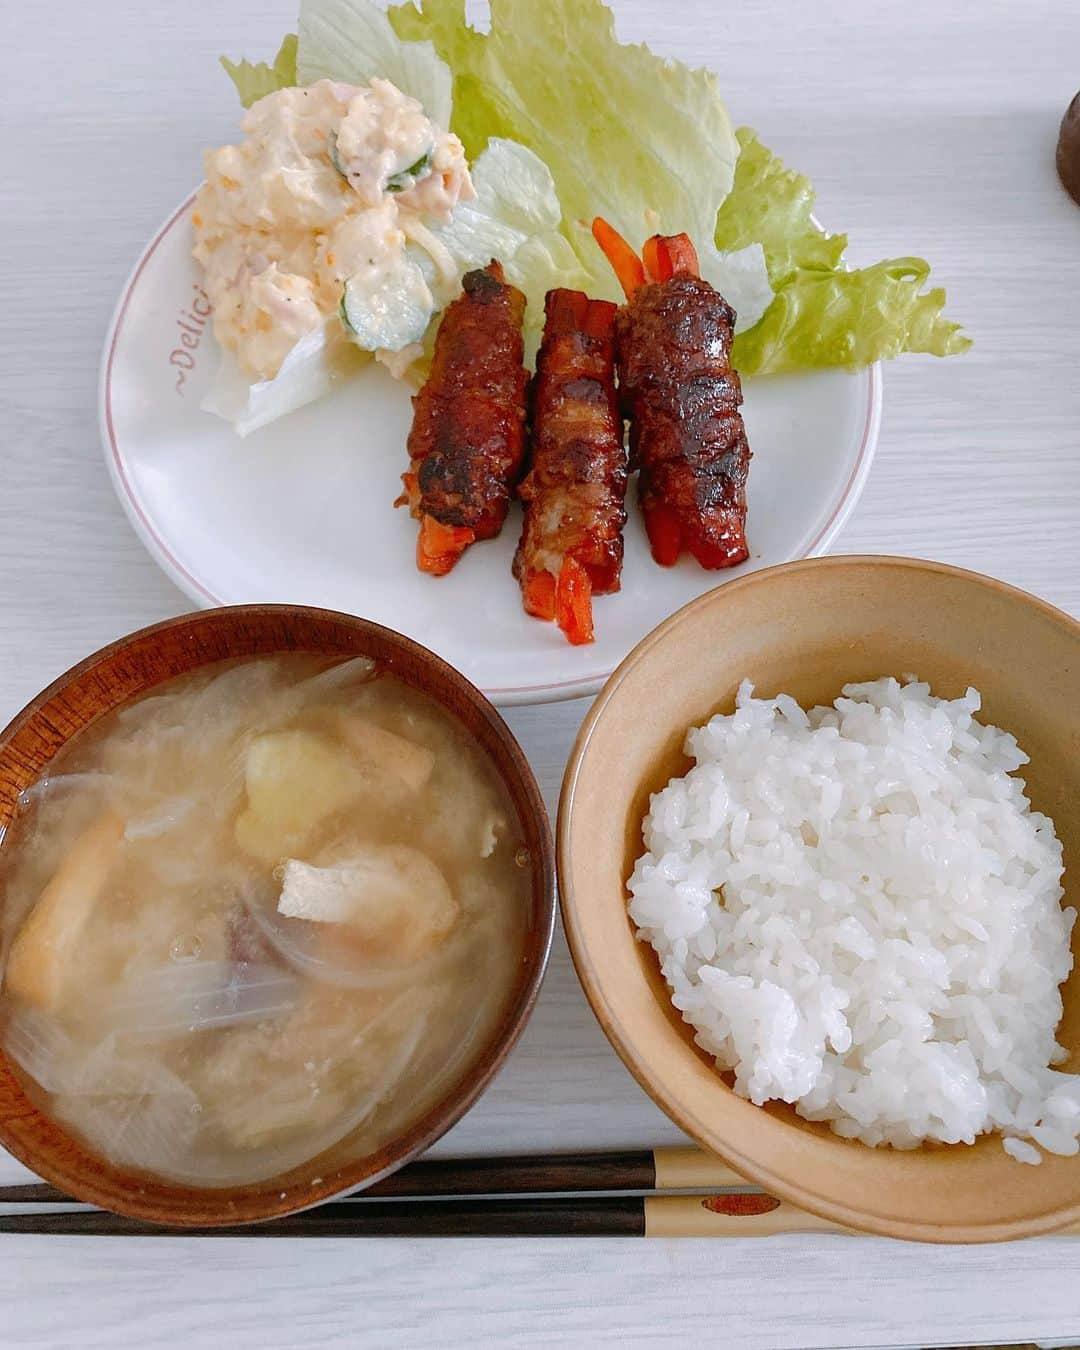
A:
267	907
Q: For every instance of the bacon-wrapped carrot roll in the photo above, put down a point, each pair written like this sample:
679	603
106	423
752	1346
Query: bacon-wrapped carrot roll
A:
687	438
571	546
467	441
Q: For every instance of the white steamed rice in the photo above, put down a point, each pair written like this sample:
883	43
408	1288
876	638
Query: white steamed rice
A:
858	912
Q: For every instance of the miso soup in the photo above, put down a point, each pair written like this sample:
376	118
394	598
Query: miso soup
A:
270	905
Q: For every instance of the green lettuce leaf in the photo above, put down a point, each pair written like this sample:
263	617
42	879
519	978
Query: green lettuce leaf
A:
554	77
849	319
642	141
514	217
255	81
822	315
313	367
556	80
773	206
352	41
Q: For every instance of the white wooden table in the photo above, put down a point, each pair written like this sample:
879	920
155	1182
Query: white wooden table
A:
927	129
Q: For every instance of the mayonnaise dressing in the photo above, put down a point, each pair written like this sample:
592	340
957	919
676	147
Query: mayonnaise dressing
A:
316	204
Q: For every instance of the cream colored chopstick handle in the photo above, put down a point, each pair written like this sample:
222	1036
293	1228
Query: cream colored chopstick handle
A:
684	1169
730	1216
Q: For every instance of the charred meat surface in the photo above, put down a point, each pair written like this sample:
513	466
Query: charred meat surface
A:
678	388
571	544
467	441
687	436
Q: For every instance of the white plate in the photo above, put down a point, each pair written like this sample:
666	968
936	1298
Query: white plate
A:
300	511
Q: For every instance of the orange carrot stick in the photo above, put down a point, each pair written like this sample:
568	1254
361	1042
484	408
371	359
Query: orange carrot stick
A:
665	534
657	266
538	595
626	263
676	253
439	546
573	602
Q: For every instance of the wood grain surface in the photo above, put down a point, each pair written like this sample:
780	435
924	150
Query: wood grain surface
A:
927	128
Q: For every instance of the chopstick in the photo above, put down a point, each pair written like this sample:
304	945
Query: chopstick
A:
444	1197
738	1215
547	1195
662	1169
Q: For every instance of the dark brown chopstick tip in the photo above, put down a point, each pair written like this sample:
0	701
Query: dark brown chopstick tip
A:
614	1216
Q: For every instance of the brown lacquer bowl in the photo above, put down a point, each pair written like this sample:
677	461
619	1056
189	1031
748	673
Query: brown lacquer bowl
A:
807	629
148	658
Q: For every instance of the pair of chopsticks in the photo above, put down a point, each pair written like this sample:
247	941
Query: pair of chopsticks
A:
555	1195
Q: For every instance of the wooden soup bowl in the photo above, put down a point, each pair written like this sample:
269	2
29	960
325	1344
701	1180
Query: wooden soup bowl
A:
130	667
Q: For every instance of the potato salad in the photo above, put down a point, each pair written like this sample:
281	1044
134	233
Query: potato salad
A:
310	218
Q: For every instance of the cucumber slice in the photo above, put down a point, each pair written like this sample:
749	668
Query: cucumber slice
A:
397	182
332	151
407	178
389	313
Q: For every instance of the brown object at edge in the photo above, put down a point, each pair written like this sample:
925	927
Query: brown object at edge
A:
1068	150
147	658
807	628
